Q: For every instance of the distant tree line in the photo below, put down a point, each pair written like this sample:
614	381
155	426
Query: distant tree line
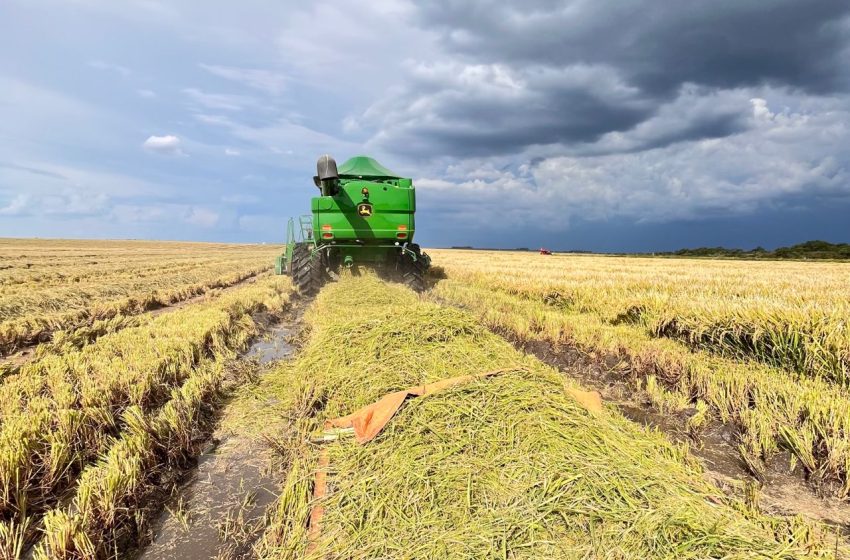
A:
809	250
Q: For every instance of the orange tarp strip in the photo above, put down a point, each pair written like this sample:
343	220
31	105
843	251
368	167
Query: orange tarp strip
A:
591	400
370	420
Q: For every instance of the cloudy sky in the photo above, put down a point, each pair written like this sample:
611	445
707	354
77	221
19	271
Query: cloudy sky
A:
607	125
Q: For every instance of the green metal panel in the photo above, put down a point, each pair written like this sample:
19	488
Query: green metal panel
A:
391	206
364	167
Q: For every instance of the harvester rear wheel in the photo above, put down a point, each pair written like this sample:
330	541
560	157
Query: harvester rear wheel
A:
307	269
413	271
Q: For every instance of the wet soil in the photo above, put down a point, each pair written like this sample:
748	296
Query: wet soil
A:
782	490
217	510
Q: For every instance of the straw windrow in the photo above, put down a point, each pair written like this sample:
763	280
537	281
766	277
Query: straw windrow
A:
772	410
507	467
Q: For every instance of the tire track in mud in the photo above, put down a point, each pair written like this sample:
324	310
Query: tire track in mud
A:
218	508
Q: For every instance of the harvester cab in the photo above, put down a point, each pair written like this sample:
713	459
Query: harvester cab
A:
362	216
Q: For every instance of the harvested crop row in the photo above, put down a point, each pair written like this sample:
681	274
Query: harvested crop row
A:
123	271
808	417
789	315
31	325
505	467
61	411
46	262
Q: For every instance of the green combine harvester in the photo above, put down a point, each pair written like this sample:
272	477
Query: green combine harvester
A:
363	216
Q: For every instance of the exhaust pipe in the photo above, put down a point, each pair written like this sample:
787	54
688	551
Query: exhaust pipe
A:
327	176
326	168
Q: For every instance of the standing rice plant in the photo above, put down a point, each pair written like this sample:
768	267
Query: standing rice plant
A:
45	295
110	490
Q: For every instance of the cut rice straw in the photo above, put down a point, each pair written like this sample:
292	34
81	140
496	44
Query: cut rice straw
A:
511	466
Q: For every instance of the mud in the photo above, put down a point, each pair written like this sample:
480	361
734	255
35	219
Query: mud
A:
218	509
781	489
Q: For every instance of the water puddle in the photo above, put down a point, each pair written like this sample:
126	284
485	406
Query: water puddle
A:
275	345
218	511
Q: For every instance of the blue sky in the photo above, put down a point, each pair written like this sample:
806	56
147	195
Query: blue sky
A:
572	124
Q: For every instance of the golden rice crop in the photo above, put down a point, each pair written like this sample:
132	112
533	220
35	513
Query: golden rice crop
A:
772	383
62	411
792	315
505	467
49	285
109	491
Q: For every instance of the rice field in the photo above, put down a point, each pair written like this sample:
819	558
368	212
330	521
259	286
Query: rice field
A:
521	463
762	345
49	286
87	428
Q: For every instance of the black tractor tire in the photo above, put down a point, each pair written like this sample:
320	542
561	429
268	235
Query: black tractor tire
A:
413	271
308	273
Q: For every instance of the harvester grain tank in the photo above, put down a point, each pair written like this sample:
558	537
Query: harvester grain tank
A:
362	216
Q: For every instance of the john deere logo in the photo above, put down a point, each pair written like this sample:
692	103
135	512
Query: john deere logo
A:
364	209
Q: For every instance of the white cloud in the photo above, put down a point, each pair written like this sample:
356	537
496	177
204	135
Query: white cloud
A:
43	178
232	152
146	93
240	198
162	213
65	203
168	144
782	157
16	207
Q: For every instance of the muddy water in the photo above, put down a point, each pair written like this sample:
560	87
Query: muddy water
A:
217	512
781	490
275	345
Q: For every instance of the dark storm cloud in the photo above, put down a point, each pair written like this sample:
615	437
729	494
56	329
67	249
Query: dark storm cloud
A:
547	73
659	45
464	120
